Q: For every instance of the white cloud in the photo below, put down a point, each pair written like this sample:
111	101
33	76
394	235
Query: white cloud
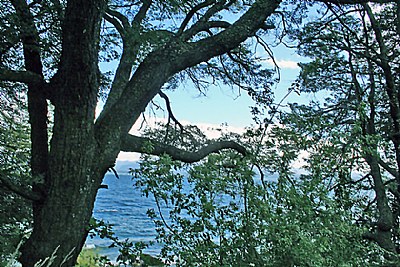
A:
284	64
301	160
128	156
215	131
209	129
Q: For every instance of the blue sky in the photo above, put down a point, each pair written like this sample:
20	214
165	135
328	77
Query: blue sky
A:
223	104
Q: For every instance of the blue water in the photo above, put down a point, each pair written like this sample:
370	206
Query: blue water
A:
123	206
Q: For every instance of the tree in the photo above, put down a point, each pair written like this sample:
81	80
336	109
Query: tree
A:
225	210
353	128
53	48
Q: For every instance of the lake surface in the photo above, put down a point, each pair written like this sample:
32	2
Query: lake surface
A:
123	206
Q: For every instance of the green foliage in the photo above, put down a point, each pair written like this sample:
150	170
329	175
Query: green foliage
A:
130	253
351	126
15	212
218	212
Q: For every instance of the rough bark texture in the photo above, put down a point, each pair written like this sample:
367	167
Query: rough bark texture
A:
61	217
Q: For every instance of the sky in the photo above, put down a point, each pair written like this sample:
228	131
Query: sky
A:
222	105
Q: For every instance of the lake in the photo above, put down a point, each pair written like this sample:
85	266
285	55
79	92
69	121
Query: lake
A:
123	206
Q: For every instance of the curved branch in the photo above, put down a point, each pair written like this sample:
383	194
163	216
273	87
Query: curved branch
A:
23	192
121	22
387	168
115	23
200	25
124	20
138	144
246	26
191	14
204	26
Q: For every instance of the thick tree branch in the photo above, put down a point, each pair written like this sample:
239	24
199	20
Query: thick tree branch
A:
245	27
131	41
140	16
133	143
27	77
37	92
23	192
124	20
175	56
204	26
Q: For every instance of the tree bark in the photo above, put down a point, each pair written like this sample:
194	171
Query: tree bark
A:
62	216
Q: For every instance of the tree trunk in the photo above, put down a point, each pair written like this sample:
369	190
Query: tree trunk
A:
74	174
75	170
61	221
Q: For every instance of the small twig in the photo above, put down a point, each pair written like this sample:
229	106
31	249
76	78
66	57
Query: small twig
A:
270	53
115	172
170	113
262	176
351	182
143	122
